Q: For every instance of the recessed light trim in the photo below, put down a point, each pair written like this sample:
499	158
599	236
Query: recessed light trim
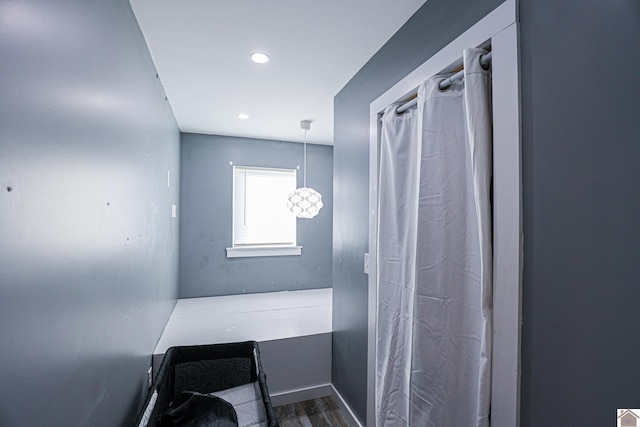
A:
243	116
260	57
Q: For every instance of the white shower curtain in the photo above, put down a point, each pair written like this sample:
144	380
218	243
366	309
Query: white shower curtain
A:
434	257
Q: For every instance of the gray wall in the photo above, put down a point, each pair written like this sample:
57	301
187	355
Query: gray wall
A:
581	175
581	163
88	251
206	221
431	28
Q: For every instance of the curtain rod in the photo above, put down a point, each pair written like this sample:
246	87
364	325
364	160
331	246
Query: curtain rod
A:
485	61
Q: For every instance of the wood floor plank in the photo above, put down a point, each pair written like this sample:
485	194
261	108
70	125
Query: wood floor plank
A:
322	412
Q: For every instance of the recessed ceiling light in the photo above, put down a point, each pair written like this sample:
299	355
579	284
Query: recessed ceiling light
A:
243	116
259	57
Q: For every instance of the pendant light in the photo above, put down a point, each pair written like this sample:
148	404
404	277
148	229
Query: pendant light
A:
305	202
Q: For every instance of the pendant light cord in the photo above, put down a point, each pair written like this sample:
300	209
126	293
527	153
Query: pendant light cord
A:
305	159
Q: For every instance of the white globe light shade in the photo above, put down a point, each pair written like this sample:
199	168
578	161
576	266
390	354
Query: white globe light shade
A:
305	202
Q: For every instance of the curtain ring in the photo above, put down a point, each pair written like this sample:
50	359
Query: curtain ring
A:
446	88
485	66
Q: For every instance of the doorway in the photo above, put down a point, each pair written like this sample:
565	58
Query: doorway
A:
499	29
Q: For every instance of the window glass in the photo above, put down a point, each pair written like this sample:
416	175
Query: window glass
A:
260	213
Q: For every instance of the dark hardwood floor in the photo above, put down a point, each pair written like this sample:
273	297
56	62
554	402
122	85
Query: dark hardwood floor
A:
321	412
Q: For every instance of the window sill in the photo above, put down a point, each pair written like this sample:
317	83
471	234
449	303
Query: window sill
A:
255	251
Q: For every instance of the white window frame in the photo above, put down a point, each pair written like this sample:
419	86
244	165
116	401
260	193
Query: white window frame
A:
260	250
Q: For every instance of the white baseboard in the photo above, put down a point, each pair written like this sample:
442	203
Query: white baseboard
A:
346	410
300	395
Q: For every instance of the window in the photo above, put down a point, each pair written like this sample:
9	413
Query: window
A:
262	223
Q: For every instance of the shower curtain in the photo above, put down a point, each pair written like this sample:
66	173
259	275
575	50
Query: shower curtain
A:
434	259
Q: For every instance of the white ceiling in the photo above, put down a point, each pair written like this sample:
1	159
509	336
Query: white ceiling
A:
201	50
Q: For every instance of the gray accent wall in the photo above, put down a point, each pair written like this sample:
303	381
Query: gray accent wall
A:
431	28
206	218
88	248
581	165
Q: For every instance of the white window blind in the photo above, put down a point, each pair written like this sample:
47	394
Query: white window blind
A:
260	213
